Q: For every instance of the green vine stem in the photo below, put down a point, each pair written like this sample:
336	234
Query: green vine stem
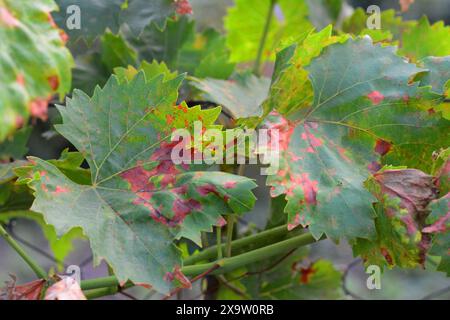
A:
38	270
253	241
219	242
263	39
230	227
225	265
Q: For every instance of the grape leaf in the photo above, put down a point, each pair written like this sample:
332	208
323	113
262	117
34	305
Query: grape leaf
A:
242	95
364	107
206	56
151	71
136	14
440	220
200	54
139	200
425	40
34	64
89	12
293	91
318	280
15	147
404	195
393	26
140	13
116	52
245	23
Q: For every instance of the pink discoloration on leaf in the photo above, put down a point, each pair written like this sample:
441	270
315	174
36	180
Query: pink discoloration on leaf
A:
382	147
207	189
20	79
439	226
230	184
178	275
376	97
38	108
309	189
295	223
7	18
221	222
60	189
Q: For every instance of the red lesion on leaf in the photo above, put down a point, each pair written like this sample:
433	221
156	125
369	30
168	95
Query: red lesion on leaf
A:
53	81
306	273
387	256
20	79
8	19
230	184
183	7
19	122
38	108
169	119
376	97
221	222
179	276
382	147
60	189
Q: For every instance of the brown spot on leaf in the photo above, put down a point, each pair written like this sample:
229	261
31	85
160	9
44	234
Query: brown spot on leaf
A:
382	147
53	81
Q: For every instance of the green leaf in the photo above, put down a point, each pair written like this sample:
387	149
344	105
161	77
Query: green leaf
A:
438	73
151	71
116	52
163	45
292	281
206	56
393	26
425	40
404	195
15	147
245	23
364	107
140	13
139	199
440	220
291	89
97	16
242	95
60	246
34	64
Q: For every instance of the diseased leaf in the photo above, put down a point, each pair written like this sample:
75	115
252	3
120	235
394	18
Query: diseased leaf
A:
34	64
405	4
245	23
139	201
293	91
403	195
364	107
27	291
